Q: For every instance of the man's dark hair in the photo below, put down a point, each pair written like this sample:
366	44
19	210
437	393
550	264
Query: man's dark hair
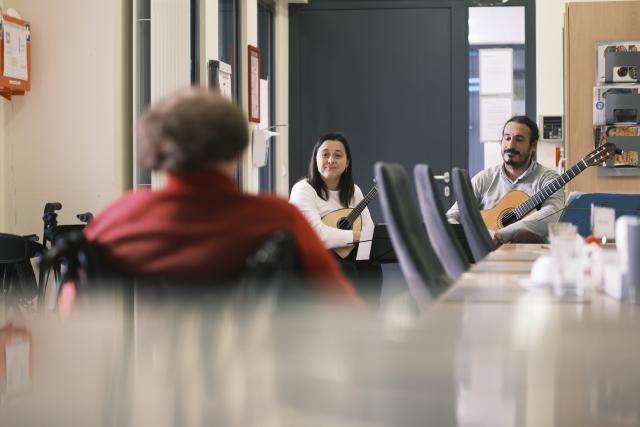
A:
345	186
191	130
524	120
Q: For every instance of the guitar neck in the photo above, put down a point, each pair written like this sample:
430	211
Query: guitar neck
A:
355	213
530	204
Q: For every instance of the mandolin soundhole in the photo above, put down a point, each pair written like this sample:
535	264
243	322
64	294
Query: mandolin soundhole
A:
344	224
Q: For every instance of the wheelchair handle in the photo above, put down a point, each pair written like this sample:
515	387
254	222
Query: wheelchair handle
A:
52	207
85	217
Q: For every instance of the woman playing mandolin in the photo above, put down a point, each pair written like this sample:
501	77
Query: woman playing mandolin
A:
326	193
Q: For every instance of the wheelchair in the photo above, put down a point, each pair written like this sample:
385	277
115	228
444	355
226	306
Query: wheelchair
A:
271	275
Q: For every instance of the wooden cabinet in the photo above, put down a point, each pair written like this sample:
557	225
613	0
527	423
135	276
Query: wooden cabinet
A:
585	24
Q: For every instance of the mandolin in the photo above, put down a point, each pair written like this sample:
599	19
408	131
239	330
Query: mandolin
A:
516	205
349	219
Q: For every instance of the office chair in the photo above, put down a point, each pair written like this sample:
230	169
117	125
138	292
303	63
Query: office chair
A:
419	263
18	278
441	235
475	230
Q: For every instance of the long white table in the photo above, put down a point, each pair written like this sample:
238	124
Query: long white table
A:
520	360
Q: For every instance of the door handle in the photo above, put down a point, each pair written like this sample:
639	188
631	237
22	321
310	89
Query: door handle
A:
444	177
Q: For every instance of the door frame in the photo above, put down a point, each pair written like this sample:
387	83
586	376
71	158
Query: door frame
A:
530	46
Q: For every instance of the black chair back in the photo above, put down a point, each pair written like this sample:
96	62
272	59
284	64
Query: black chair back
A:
475	230
441	235
419	263
16	274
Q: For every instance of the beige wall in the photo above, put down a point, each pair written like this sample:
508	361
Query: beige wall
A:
65	140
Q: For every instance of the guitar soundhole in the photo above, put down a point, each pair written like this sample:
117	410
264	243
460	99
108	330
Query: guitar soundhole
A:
508	218
344	224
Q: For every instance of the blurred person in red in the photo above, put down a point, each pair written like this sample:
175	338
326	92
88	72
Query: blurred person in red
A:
199	226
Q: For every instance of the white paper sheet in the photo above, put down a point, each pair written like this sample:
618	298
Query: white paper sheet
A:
603	222
364	247
494	112
496	71
224	79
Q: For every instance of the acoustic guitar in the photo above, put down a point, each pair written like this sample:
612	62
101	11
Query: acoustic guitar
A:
349	219
516	205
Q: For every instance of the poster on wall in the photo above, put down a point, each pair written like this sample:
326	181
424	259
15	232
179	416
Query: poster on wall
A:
254	84
15	51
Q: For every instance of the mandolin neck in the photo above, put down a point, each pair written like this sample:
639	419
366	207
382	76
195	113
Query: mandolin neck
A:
355	213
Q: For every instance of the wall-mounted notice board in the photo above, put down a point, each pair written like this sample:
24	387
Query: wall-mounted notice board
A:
15	56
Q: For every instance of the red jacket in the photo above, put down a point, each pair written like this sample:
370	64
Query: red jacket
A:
199	226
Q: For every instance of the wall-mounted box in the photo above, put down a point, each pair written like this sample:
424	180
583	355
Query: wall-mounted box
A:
626	138
607	102
622	67
618	62
623	108
551	128
616	105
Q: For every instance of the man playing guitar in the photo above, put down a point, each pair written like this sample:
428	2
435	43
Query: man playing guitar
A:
519	171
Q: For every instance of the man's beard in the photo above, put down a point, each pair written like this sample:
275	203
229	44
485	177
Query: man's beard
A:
516	164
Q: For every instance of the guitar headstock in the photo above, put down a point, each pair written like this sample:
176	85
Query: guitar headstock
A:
600	154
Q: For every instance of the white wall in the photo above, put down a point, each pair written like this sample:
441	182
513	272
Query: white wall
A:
248	36
282	96
549	60
67	139
549	67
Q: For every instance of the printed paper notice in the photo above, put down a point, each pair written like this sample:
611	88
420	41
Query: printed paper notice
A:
224	80
254	75
496	71
603	222
494	111
15	51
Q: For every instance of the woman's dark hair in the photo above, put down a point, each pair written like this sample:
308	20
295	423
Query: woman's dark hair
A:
345	186
192	129
524	120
